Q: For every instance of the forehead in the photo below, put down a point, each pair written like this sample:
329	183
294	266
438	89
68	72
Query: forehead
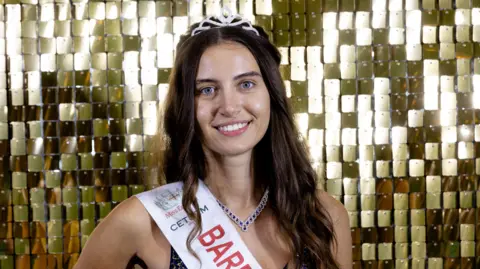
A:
226	59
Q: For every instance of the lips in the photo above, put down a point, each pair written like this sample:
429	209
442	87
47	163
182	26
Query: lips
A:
233	129
233	124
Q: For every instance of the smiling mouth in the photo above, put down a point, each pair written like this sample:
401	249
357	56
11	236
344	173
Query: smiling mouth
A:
233	129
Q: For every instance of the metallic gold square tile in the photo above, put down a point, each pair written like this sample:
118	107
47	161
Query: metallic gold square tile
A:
463	34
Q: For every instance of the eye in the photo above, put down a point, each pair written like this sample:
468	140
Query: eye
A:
207	91
247	84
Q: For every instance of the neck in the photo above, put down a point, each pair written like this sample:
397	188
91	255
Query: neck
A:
232	182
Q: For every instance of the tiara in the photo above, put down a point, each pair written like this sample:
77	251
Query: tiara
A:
225	19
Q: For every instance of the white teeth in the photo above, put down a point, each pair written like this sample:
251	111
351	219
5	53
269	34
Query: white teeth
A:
232	127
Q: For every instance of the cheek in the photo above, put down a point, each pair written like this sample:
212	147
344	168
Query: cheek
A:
202	114
261	106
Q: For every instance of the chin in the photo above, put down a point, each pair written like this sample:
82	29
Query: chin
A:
232	151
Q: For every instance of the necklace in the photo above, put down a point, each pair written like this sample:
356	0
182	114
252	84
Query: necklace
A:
244	224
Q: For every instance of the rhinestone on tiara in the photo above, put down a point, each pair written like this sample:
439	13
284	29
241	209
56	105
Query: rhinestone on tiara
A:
223	20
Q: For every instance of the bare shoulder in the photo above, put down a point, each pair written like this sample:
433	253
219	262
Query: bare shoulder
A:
129	216
117	237
132	212
342	248
335	208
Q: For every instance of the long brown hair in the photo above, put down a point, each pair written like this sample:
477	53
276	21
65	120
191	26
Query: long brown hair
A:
281	162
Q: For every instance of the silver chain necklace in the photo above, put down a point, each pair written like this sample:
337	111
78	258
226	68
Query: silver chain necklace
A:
244	224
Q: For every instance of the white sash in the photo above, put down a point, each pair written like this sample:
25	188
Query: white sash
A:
218	246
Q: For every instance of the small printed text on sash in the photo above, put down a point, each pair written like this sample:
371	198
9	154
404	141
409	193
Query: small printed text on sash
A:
183	221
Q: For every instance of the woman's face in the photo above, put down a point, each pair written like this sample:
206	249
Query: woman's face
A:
232	103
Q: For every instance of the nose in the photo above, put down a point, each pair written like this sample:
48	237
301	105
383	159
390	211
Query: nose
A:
229	102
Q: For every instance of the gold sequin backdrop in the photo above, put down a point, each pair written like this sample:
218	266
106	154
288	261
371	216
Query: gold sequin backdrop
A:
386	91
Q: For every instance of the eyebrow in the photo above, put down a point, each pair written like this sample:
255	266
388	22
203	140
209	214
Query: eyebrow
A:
237	77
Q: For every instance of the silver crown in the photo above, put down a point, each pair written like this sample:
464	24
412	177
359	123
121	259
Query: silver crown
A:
225	19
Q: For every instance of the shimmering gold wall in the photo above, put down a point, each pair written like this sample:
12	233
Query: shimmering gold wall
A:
387	93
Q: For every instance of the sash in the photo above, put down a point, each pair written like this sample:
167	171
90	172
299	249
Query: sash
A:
218	246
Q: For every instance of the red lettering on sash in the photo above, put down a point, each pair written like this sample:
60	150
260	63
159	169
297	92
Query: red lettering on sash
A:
211	236
231	260
208	239
220	250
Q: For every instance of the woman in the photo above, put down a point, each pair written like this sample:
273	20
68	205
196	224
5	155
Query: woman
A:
232	149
